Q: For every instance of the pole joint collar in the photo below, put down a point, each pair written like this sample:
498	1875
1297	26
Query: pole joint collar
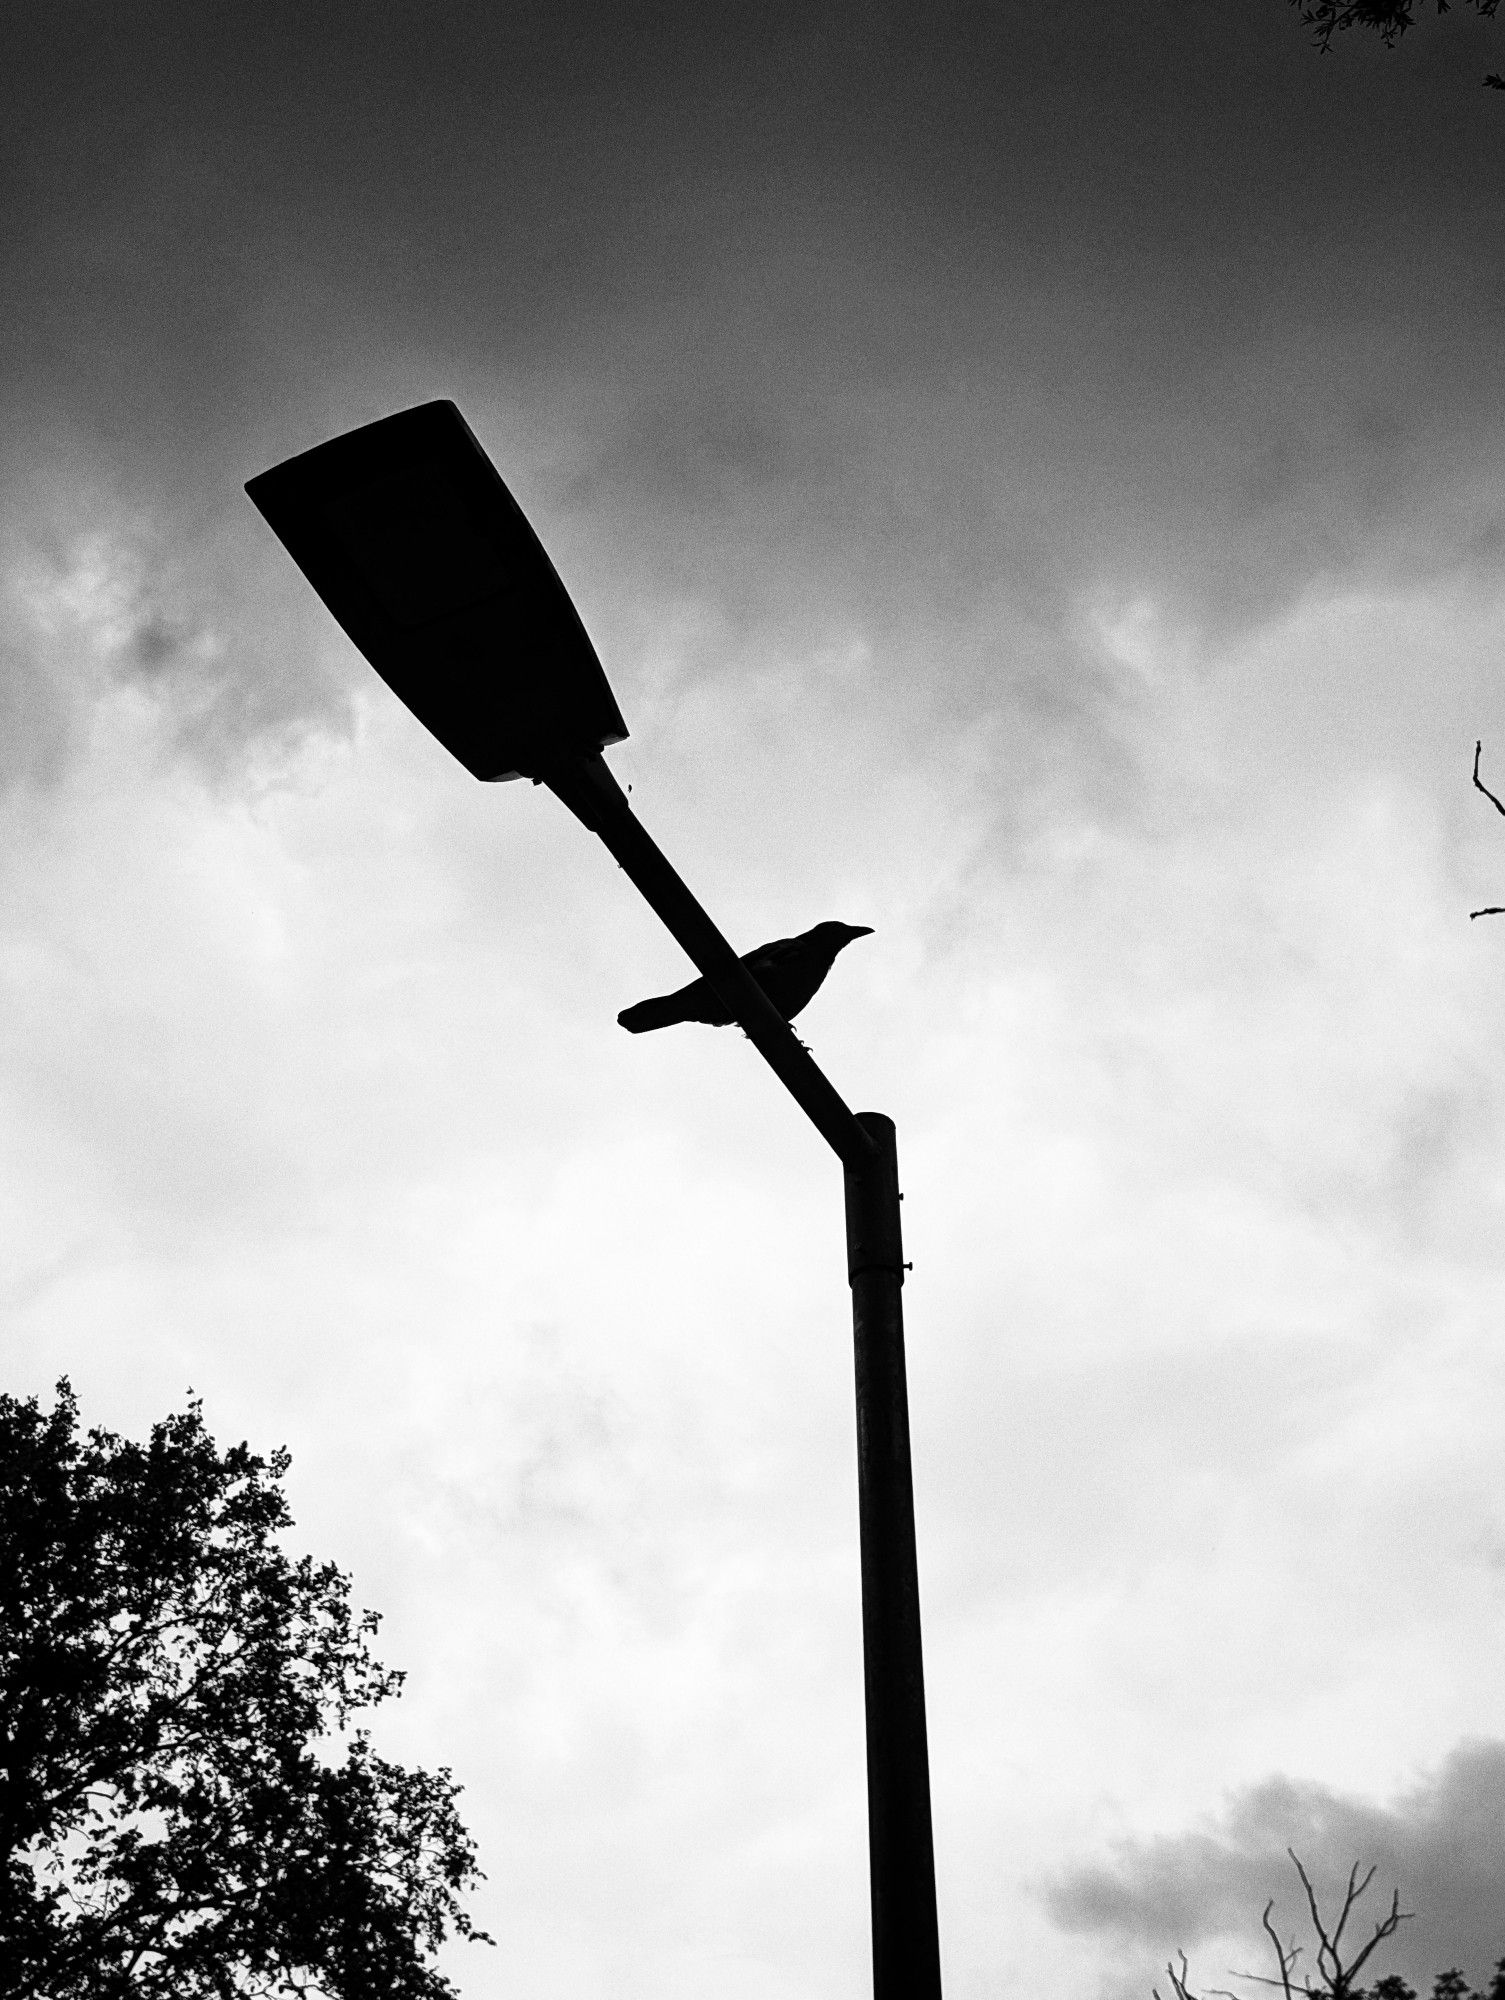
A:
874	1240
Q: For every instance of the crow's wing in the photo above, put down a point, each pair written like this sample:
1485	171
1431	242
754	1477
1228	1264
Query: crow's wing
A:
779	951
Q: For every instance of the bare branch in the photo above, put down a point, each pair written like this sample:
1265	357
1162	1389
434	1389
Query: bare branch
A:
1349	1900
1333	1979
1338	1979
1178	1981
1478	747
1392	1923
1324	1946
1494	910
1285	1959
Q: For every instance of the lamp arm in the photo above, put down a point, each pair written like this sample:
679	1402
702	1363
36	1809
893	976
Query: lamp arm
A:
587	787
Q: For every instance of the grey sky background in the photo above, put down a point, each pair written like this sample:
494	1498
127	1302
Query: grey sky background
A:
1033	478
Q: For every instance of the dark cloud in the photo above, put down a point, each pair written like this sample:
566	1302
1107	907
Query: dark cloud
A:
908	320
1442	1844
102	599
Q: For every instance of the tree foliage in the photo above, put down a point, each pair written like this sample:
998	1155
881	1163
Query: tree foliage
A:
1388	18
1335	1970
177	1817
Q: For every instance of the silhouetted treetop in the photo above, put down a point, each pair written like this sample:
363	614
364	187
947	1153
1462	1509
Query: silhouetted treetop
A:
177	1821
1388	18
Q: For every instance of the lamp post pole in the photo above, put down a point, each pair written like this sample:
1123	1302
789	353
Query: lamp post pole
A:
901	1855
407	532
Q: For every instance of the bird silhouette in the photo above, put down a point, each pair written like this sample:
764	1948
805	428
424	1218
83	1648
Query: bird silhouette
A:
789	970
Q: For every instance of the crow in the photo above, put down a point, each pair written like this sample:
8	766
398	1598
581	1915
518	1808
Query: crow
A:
789	970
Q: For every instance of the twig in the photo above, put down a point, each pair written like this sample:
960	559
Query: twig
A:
1396	1918
1495	909
1285	1959
1178	1981
1480	782
1349	1900
1339	1977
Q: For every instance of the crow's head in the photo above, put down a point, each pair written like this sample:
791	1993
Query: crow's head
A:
833	937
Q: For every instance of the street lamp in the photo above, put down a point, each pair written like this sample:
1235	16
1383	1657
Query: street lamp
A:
407	532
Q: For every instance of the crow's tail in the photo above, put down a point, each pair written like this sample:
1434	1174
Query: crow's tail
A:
662	1012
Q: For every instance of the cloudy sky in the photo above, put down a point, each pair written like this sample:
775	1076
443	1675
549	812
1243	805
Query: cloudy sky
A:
1033	475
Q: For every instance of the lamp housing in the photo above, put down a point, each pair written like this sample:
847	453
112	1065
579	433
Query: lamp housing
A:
408	533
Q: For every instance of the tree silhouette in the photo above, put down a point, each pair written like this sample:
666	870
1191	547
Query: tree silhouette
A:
1336	1978
1446	1986
1389	18
176	1819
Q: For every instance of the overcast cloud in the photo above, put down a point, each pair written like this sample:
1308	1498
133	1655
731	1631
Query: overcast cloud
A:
1033	476
1440	1845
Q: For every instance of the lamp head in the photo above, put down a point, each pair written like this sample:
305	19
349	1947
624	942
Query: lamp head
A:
406	530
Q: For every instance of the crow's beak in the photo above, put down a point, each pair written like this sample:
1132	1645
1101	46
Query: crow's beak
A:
859	930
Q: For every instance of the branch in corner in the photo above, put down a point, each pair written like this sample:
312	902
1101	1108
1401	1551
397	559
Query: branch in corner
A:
1494	909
